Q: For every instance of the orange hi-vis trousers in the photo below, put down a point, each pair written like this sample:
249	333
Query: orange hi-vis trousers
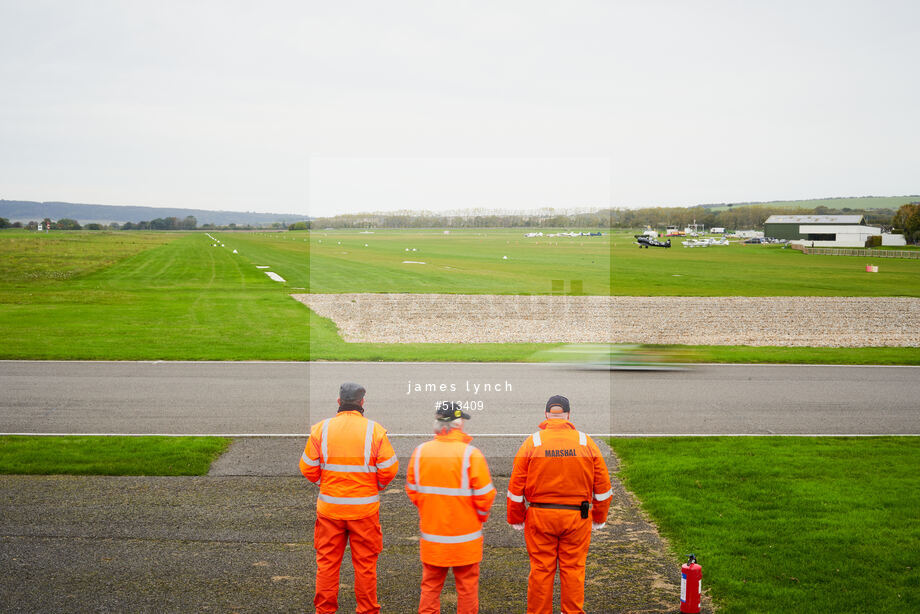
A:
556	537
466	578
329	538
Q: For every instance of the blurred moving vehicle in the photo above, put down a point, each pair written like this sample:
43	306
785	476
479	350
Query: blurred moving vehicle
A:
619	357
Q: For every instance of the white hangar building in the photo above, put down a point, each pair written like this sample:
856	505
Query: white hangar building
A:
826	230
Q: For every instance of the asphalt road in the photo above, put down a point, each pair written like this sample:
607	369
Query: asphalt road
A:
284	398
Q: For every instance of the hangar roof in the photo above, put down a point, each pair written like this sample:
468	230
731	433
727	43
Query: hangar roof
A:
814	219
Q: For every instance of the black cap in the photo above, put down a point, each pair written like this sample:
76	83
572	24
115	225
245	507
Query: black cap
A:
561	401
351	393
445	411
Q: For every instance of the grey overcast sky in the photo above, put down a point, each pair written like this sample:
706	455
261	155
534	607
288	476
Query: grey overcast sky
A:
324	107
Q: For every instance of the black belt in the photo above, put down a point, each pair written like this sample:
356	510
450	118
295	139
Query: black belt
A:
583	508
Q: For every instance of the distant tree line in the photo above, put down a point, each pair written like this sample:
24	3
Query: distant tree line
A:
168	223
408	219
907	222
733	217
66	223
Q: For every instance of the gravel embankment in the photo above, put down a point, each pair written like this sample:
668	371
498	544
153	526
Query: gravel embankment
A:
729	320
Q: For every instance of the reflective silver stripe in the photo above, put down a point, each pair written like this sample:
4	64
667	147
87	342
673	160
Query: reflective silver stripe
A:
368	439
481	491
411	486
349	500
387	462
349	468
536	439
418	454
308	460
582	439
442	490
515	498
451	539
603	495
465	468
324	453
482	513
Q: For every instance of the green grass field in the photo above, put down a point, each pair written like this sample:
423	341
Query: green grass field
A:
753	270
788	524
462	262
180	298
174	296
27	257
87	455
471	263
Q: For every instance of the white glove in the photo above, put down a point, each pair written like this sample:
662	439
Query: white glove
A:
518	527
597	526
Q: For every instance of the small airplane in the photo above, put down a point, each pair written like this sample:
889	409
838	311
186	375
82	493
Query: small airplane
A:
647	242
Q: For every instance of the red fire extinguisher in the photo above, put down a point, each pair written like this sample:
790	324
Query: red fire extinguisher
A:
691	585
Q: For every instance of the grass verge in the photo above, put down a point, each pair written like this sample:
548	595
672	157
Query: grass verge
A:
788	524
88	455
747	354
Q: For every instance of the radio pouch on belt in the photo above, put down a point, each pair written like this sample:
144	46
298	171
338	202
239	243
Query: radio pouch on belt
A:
583	508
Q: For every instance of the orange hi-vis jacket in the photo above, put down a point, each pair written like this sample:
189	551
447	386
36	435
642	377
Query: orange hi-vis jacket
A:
352	460
448	481
559	464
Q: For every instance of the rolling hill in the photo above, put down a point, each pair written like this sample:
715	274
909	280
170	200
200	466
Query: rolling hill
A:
24	211
848	202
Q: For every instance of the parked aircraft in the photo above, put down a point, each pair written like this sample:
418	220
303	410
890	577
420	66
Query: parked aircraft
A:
646	242
706	242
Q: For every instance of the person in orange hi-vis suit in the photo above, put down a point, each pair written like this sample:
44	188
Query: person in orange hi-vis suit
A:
351	460
448	481
559	471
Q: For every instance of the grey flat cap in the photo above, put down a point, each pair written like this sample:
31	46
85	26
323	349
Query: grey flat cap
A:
351	393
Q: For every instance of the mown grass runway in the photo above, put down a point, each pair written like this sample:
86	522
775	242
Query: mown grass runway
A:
177	297
471	262
462	262
174	296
